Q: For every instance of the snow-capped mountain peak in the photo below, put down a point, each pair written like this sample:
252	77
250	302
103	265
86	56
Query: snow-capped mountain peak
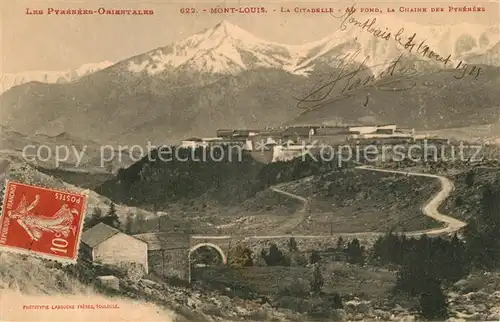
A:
227	49
226	29
211	38
223	49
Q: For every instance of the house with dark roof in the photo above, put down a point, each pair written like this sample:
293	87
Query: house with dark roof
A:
225	133
104	244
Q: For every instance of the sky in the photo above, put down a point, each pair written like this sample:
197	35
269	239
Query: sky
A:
60	42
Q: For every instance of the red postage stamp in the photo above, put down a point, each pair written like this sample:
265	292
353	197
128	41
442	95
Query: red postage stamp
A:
44	221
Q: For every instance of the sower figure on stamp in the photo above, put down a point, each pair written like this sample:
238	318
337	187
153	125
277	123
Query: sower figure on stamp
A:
34	224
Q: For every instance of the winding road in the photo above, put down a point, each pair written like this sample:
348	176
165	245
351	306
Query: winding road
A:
296	218
431	209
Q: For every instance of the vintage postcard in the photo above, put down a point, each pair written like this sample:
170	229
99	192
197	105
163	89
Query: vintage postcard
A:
250	160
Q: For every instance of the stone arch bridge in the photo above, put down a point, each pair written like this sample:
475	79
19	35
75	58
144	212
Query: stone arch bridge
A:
170	254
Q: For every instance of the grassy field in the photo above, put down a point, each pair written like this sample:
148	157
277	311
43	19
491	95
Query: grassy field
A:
357	201
26	280
341	202
257	215
339	277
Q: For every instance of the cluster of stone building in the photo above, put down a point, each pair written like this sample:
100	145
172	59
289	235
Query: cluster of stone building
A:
295	136
161	253
103	244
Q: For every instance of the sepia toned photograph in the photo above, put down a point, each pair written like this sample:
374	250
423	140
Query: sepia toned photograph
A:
249	161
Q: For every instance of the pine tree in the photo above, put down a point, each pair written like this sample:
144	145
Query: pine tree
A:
129	223
490	204
315	257
340	244
483	243
292	245
355	252
111	218
94	219
275	257
140	219
469	179
317	281
433	303
456	256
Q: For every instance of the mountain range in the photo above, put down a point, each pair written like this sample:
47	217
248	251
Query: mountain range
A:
228	49
10	80
226	77
82	154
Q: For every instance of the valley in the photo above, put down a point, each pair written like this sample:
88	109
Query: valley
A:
252	200
273	204
244	203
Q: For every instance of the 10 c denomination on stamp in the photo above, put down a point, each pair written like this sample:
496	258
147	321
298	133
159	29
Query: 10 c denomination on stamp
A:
42	221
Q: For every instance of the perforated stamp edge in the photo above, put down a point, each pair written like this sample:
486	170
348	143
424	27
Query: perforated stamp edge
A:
21	251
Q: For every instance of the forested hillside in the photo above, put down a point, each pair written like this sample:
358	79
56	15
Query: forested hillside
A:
231	180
